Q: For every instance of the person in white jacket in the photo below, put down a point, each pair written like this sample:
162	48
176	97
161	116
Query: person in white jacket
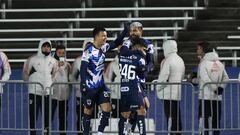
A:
5	72
61	91
40	68
172	70
211	70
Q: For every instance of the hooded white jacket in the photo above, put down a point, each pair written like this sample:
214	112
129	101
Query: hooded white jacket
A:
61	91
40	68
6	70
172	70
113	69
75	75
211	70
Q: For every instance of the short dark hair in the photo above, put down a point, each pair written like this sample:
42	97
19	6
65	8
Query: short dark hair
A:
96	30
207	47
60	47
139	41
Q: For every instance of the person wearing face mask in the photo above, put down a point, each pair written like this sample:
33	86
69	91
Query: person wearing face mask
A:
61	91
172	70
41	68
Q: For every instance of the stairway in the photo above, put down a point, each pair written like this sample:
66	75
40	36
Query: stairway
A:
220	19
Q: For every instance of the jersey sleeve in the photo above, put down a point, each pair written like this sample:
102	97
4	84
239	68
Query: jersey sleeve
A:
86	55
105	47
150	48
127	43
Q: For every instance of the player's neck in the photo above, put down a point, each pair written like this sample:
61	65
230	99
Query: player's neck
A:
96	44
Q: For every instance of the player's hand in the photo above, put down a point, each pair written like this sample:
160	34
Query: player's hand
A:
126	25
83	87
146	102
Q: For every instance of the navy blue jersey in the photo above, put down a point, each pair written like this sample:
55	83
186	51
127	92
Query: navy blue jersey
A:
149	58
131	70
95	58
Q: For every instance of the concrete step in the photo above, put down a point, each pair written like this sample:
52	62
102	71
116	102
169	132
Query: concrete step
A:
219	13
205	35
46	4
224	3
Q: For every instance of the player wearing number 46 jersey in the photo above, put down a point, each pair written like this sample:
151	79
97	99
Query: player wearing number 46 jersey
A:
132	69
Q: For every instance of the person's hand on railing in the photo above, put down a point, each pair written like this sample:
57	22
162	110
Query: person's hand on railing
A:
219	91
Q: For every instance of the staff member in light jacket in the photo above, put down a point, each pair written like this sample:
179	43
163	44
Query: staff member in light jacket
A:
5	72
61	91
41	68
172	70
210	70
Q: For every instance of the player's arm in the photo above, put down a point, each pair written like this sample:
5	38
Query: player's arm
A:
141	72
118	41
125	51
150	56
83	68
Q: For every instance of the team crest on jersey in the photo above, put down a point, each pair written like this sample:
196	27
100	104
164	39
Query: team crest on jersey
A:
89	101
95	52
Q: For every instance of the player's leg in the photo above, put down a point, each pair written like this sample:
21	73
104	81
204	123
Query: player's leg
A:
88	103
141	113
132	122
122	123
104	102
79	111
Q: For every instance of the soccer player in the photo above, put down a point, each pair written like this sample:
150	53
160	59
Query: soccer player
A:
132	69
136	31
92	83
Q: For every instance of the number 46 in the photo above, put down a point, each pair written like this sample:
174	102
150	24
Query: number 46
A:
127	71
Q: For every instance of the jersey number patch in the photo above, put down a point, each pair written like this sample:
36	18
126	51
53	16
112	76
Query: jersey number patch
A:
127	71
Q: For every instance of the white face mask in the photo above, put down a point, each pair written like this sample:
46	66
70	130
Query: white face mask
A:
61	59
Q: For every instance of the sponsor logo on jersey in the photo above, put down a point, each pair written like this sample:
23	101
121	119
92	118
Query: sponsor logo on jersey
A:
124	89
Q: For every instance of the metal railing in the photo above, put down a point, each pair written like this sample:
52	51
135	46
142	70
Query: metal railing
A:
102	9
15	102
234	57
84	29
223	111
14	110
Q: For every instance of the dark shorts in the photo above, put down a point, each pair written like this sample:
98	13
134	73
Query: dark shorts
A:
98	96
131	102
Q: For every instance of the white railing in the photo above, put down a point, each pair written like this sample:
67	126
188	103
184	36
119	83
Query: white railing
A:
98	19
102	9
85	29
73	39
234	57
233	37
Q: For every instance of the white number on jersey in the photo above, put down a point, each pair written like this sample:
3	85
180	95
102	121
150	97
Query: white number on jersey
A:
127	71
